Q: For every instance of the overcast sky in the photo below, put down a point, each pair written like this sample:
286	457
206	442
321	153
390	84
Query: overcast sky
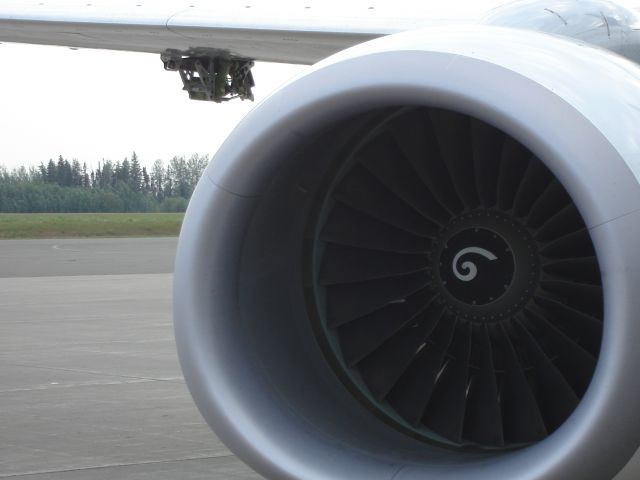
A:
95	104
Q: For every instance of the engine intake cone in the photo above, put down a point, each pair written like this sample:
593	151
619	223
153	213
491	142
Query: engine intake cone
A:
485	266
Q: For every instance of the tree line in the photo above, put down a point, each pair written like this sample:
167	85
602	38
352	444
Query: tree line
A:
67	186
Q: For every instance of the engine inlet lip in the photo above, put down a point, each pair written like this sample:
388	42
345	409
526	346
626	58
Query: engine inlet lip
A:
569	452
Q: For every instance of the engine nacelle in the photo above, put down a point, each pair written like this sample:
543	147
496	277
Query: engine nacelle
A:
419	260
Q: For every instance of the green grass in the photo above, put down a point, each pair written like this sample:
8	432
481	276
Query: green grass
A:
65	225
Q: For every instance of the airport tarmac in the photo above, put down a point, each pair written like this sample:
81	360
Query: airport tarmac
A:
90	386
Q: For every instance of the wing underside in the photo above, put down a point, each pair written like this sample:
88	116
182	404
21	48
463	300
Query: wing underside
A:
214	44
283	31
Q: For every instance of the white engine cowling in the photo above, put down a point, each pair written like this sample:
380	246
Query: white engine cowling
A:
419	260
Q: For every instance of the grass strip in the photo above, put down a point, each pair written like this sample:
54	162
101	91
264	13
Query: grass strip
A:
67	225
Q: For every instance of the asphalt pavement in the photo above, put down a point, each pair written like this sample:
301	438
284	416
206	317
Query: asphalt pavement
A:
90	386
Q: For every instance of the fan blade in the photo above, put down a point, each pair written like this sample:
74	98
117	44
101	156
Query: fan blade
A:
555	396
412	392
563	222
350	301
453	132
521	416
536	178
347	265
363	192
580	270
346	226
384	159
487	143
514	161
483	421
382	369
446	409
416	138
362	336
575	363
587	298
553	199
585	329
573	245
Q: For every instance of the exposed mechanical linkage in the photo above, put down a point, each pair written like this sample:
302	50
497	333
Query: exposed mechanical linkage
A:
212	76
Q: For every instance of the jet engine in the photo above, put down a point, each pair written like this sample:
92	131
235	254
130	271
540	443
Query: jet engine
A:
420	260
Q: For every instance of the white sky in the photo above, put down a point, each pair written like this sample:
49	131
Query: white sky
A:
95	104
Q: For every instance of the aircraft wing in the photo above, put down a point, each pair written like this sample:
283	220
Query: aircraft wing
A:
283	31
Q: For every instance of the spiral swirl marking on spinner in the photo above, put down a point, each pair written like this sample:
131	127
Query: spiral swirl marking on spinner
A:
470	267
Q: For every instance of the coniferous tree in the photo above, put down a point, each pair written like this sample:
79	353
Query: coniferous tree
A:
98	176
76	173
146	182
60	174
65	186
51	171
179	177
116	175
86	181
43	172
136	174
125	172
157	180
167	187
106	176
196	166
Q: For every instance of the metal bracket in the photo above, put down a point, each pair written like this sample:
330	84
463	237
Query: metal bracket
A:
211	76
